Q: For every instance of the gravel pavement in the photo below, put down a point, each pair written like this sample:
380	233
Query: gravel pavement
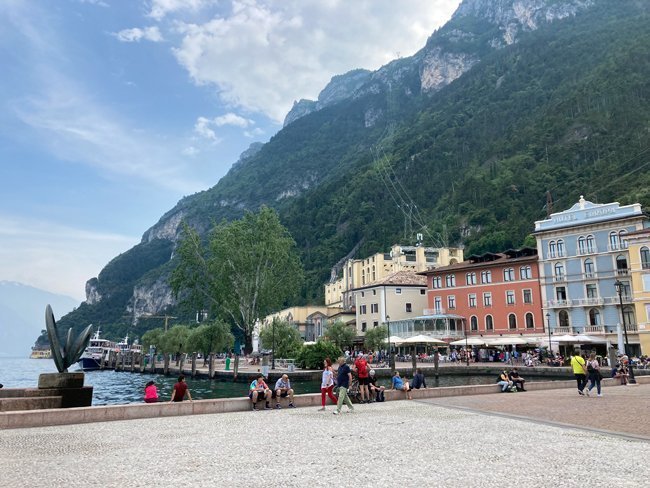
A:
400	443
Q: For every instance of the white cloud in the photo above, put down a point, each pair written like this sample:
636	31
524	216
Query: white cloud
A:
190	151
55	257
261	55
202	128
136	34
99	3
234	120
203	125
160	8
256	132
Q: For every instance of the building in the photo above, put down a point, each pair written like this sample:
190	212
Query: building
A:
639	252
356	273
311	321
399	295
583	252
492	294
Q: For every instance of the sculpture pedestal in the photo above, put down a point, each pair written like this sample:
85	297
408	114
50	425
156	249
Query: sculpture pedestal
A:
69	386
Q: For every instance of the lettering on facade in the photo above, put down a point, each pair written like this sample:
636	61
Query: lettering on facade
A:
564	218
601	211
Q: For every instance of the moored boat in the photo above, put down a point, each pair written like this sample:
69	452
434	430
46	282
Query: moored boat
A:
40	353
97	349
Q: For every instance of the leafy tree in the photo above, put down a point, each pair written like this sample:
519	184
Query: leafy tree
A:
287	339
249	268
340	334
312	356
208	338
175	340
153	337
375	338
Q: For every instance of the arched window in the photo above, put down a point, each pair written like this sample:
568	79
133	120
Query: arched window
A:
563	318
594	317
589	268
559	271
621	265
374	275
560	248
621	237
530	321
645	257
512	321
591	244
614	242
552	249
582	245
473	321
489	322
508	274
525	273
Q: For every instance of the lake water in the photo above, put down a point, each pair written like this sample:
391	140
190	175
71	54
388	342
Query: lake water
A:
111	387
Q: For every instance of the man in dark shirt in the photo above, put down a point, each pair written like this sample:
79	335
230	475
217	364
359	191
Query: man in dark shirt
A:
343	379
517	380
180	390
418	380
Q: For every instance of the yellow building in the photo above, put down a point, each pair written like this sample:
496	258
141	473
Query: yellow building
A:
356	273
639	251
310	320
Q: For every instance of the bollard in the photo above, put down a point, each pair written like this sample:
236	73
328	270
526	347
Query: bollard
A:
166	364
193	364
143	363
228	363
153	360
211	366
132	362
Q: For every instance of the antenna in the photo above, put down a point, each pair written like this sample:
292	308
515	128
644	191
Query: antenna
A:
549	204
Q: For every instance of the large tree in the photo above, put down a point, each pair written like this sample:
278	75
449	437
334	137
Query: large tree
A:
208	338
287	339
247	269
340	334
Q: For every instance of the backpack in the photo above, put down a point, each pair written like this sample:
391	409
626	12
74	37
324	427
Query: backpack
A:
362	368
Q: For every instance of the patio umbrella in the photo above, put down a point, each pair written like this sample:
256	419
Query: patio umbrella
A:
588	339
508	341
567	338
423	339
395	340
471	341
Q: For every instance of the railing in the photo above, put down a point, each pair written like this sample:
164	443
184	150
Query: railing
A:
559	278
595	329
631	327
434	311
586	251
622	271
585	302
562	330
558	303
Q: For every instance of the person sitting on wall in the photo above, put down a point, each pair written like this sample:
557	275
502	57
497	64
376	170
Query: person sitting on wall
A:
504	381
377	391
180	390
517	380
399	384
282	390
418	380
150	392
259	390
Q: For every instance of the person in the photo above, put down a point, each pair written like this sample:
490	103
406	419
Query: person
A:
517	380
593	368
150	392
579	370
327	383
373	388
180	390
257	390
399	384
622	372
343	379
361	366
282	390
418	380
504	381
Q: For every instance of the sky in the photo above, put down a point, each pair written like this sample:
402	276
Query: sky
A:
112	110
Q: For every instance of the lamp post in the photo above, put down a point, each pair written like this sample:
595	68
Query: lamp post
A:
466	343
273	344
391	361
548	326
619	289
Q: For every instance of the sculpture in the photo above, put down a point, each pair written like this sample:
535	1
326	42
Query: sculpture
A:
72	350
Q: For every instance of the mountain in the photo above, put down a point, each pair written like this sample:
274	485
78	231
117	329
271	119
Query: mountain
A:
509	100
22	315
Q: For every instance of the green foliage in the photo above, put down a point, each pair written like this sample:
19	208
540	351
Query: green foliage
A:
312	356
375	338
248	269
208	338
175	340
340	334
153	337
287	339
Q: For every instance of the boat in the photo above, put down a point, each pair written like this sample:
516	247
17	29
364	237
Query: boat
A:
97	349
41	353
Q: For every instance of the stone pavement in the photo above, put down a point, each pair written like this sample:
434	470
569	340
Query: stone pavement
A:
407	443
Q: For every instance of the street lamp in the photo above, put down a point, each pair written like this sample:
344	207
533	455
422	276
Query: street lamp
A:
273	344
619	289
548	326
391	361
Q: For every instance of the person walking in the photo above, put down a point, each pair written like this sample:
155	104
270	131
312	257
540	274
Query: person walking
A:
579	370
327	383
593	369
343	379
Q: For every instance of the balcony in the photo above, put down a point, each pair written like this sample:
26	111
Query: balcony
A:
595	329
558	303
560	277
622	272
434	311
586	251
588	302
562	330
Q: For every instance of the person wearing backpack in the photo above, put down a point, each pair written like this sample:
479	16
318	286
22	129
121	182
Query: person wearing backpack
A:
593	369
361	365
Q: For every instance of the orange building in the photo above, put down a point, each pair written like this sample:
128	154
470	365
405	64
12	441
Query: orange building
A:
496	294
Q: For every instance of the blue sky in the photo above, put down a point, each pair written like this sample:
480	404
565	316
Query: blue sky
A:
111	111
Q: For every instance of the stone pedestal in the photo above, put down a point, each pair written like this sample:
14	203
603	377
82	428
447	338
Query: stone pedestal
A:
69	386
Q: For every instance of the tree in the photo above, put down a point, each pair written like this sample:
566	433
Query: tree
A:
175	340
287	339
153	337
312	356
340	334
248	269
208	338
375	338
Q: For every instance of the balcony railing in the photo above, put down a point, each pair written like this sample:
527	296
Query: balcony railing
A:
562	330
622	271
586	250
558	303
595	329
586	302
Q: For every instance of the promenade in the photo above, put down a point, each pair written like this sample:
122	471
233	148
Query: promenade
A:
534	439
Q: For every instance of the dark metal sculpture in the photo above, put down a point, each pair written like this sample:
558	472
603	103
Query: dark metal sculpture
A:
69	354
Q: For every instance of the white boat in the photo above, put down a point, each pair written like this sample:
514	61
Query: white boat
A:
97	349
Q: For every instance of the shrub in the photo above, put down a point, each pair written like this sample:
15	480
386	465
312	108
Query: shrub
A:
312	356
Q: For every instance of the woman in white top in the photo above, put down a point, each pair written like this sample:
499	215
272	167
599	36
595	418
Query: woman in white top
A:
327	384
593	370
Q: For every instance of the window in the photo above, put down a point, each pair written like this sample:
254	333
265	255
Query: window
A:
409	308
374	276
437	304
450	280
374	308
363	326
487	299
525	273
560	248
621	265
436	282
375	324
592	290
614	243
628	315
362	310
510	297
473	323
589	268
512	321
451	302
471	299
582	245
363	294
398	291
626	291
552	249
374	292
559	271
470	279
591	244
621	237
508	274
528	295
594	317
489	322
645	257
530	321
422	291
560	293
486	276
563	318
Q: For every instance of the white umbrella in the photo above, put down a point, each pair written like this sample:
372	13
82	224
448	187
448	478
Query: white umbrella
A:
423	339
568	338
508	341
588	338
470	341
394	340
